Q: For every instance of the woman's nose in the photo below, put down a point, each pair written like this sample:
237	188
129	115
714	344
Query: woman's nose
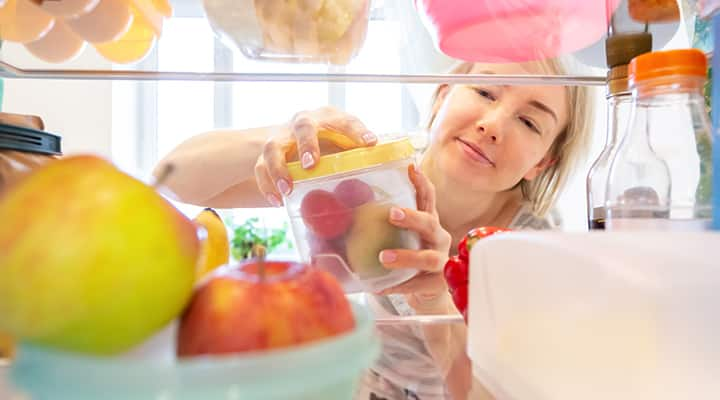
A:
488	127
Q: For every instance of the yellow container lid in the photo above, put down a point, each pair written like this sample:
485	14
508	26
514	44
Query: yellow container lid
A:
352	160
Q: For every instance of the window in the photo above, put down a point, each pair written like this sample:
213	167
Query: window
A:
163	114
151	118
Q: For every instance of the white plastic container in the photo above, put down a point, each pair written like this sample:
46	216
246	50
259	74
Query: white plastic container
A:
622	316
339	213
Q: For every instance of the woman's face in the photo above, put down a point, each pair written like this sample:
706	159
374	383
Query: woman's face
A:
490	137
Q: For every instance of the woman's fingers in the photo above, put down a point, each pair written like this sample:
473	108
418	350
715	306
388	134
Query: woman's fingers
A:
424	189
304	129
353	128
424	223
266	185
425	260
274	160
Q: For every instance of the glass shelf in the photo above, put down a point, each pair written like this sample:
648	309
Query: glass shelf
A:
11	71
396	34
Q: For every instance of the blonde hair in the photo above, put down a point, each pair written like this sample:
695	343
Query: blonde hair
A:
570	147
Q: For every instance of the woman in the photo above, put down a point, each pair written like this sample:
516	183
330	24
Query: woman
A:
497	155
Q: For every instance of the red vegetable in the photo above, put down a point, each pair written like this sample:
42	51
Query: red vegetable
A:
456	268
473	236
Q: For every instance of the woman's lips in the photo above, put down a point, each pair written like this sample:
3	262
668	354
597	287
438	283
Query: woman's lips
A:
474	152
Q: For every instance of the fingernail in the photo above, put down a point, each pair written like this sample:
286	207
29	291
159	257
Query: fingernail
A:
283	187
307	160
396	214
387	256
369	138
274	200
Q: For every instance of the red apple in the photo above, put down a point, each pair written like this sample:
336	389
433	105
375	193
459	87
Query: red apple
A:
324	215
354	192
241	310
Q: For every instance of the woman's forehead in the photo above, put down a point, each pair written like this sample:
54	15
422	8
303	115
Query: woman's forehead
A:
512	69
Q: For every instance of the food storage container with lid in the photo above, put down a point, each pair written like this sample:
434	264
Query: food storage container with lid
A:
339	212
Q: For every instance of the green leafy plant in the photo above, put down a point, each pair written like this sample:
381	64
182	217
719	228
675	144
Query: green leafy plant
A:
249	233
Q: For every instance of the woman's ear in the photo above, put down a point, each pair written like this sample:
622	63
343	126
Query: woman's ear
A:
438	100
547	162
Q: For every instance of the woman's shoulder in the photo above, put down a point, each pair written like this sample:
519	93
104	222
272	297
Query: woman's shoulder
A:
526	219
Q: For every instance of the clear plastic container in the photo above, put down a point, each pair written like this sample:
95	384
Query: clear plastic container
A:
661	175
596	316
339	213
326	369
330	31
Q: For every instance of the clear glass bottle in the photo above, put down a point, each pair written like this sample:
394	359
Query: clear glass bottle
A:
620	48
619	104
661	174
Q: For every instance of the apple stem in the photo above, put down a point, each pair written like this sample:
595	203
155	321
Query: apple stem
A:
260	252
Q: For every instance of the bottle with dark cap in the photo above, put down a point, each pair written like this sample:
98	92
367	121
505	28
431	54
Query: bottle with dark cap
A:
619	50
24	146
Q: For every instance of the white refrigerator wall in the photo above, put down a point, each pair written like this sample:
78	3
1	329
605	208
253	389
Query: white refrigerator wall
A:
79	111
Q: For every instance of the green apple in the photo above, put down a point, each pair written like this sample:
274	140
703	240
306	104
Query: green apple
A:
92	260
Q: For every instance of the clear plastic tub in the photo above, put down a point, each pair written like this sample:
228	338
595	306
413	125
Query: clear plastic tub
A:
623	316
327	369
331	32
339	213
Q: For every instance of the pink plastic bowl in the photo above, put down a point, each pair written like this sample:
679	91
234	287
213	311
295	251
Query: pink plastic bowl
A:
514	30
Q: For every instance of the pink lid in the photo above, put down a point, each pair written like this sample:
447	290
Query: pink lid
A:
514	30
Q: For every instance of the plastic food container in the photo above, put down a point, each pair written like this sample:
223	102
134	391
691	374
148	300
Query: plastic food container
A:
514	30
330	31
598	315
339	213
327	369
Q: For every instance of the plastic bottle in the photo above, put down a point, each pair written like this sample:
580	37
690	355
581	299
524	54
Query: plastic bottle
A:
661	174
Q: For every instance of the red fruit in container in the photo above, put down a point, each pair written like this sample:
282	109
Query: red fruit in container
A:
324	215
354	192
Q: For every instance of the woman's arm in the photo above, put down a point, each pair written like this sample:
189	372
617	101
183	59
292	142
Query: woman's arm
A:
217	168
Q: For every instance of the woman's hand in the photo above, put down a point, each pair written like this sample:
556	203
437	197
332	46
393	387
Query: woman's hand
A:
301	132
426	289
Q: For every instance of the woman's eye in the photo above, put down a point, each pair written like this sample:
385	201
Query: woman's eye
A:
529	124
484	93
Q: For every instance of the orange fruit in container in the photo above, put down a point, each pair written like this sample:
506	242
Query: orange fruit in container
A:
59	45
134	45
22	21
69	8
108	21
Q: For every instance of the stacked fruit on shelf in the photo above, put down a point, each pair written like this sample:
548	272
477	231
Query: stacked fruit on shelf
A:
96	262
122	31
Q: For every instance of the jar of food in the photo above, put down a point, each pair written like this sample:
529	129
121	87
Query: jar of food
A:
331	31
339	213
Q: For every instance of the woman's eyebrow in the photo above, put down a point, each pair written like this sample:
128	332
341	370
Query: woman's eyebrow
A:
534	103
542	107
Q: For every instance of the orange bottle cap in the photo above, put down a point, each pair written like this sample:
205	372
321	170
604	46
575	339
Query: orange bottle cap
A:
688	62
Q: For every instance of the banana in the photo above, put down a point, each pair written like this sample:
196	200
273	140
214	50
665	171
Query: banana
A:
216	246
